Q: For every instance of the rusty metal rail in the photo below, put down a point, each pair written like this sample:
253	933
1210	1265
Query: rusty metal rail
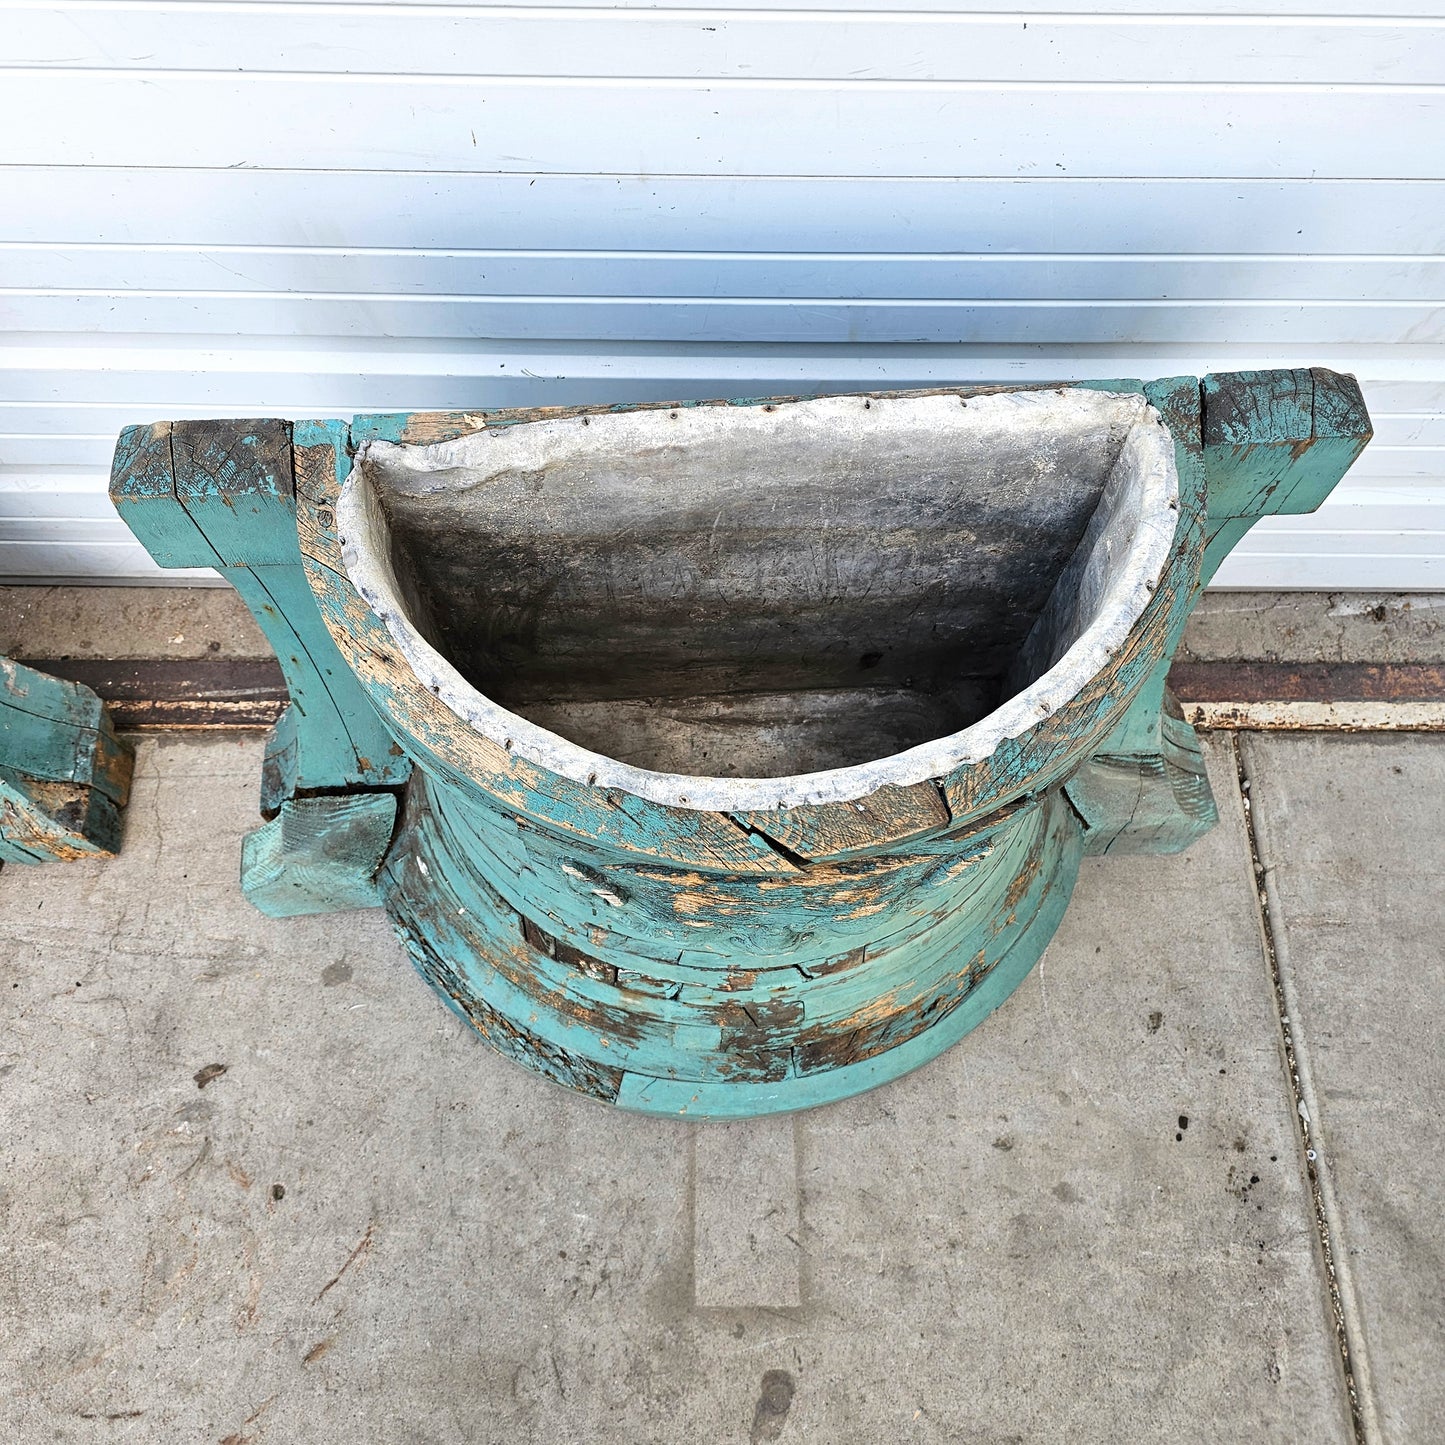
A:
249	693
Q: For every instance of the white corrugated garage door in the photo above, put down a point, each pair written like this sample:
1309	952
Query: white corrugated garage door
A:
276	208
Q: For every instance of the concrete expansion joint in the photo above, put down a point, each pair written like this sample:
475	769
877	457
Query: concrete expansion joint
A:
1339	1284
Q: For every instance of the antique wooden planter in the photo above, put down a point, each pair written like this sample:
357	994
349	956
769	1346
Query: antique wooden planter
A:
731	758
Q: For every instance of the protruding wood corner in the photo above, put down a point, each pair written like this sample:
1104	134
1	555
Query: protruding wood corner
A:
223	494
64	774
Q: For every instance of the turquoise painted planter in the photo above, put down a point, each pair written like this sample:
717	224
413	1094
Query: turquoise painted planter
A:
728	759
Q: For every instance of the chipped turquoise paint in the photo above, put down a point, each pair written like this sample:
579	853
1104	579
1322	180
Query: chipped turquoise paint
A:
64	775
318	854
669	960
582	1033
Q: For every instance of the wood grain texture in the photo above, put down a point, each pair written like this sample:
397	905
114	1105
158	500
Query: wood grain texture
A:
318	855
231	485
143	489
1275	443
844	830
64	775
234	481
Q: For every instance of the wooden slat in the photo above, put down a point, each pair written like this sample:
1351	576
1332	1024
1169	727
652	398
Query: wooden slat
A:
841	830
319	855
1278	443
56	821
64	775
235	481
143	477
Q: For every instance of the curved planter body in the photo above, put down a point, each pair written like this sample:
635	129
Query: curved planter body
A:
533	815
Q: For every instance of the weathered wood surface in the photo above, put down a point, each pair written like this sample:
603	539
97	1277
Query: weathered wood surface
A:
1143	789
1275	443
222	494
319	854
695	1031
64	775
671	957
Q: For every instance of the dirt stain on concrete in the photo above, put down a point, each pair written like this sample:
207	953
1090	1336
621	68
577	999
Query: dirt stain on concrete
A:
770	1414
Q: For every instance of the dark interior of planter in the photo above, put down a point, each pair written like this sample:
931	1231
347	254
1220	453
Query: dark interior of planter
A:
777	599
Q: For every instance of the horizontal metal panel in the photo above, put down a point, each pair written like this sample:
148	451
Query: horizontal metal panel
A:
724	320
1318	542
1348	545
67	397
54	496
58	560
1404	429
1264	12
549	203
1250	569
67	531
753	44
1378	535
64	449
799	127
701	276
1367	505
56	206
1381	460
339	375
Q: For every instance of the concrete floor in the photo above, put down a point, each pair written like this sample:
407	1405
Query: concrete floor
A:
1093	1220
